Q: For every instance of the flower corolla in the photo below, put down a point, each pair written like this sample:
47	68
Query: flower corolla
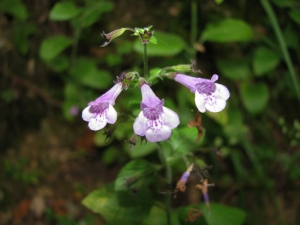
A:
208	94
155	121
101	111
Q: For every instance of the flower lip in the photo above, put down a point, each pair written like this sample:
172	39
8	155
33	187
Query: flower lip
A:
155	121
101	111
208	94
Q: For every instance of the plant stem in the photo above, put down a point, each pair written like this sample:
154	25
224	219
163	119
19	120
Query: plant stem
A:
168	176
145	61
77	32
272	17
193	22
252	156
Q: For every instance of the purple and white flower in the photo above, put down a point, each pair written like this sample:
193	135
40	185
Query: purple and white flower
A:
154	121
101	111
208	94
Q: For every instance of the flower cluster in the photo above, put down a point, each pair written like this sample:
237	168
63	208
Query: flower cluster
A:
155	121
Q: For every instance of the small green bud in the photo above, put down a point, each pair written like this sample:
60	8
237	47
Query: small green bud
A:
112	35
145	35
184	68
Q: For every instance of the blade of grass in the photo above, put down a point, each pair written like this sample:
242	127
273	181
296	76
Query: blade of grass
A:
272	17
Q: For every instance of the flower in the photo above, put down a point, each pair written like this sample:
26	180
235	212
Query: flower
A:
101	111
154	121
208	95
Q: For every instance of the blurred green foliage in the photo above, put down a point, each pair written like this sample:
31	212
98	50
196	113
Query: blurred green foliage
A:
240	46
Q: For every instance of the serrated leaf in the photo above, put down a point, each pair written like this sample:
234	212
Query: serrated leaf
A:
227	30
234	69
64	11
255	97
92	13
86	72
15	8
295	15
221	214
116	207
136	171
264	61
167	45
53	46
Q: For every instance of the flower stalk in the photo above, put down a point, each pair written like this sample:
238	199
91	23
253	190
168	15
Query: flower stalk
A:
168	177
145	62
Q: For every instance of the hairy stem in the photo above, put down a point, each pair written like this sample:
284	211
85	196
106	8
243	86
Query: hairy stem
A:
145	62
272	17
168	177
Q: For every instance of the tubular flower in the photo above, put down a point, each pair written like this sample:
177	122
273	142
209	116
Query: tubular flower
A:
208	94
101	111
154	121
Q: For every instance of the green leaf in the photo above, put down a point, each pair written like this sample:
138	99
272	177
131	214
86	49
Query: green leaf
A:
92	13
15	8
59	63
234	69
142	150
167	45
134	173
295	15
184	139
220	117
110	155
22	30
227	30
158	216
255	97
87	73
153	40
121	207
234	128
221	214
264	61
100	139
53	46
291	38
219	2
64	11
7	95
283	3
